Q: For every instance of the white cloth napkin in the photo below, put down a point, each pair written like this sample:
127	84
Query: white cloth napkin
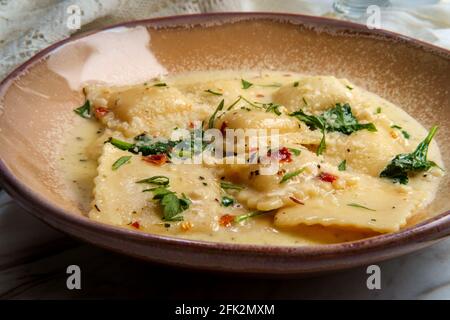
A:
27	26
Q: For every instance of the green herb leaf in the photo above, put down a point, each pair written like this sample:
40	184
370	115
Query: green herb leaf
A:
322	145
144	145
405	134
228	185
85	110
160	84
403	164
246	84
272	107
172	206
243	217
339	118
290	175
227	201
295	84
213	92
359	206
349	87
120	162
296	152
342	166
378	110
122	145
156	180
213	116
234	103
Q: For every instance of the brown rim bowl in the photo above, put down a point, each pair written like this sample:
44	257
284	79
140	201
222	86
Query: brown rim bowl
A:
37	101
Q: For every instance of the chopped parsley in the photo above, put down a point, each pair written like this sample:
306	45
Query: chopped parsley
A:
228	185
295	84
85	110
296	152
243	217
234	103
145	145
272	107
246	84
342	166
378	110
227	201
160	84
156	180
270	85
120	162
213	92
349	87
355	205
171	205
213	116
290	175
403	164
406	135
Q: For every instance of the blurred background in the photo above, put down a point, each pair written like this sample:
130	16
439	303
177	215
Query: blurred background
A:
27	26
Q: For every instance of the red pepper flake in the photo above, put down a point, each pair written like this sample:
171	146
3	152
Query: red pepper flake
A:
100	112
191	125
284	155
135	225
296	200
259	95
226	220
223	127
327	177
158	159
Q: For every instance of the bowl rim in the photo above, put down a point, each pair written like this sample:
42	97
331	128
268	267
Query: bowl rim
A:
431	229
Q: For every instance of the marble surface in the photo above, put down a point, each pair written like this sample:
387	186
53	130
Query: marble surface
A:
34	259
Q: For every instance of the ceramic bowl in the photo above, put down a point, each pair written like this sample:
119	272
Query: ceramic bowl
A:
38	97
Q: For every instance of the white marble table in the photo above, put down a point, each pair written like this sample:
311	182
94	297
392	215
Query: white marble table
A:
34	258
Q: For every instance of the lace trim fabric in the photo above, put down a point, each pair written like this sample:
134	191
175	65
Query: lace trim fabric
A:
28	26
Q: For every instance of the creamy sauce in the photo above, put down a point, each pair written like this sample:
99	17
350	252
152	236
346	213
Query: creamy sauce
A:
84	143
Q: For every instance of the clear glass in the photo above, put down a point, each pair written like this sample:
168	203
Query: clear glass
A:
355	9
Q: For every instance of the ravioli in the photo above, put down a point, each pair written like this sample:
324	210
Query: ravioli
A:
154	109
327	178
120	200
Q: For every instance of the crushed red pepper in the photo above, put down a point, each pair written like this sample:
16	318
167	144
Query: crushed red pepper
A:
223	127
327	177
158	159
100	112
226	220
135	225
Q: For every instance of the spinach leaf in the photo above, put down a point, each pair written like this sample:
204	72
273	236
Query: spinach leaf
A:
144	145
339	118
405	163
85	110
